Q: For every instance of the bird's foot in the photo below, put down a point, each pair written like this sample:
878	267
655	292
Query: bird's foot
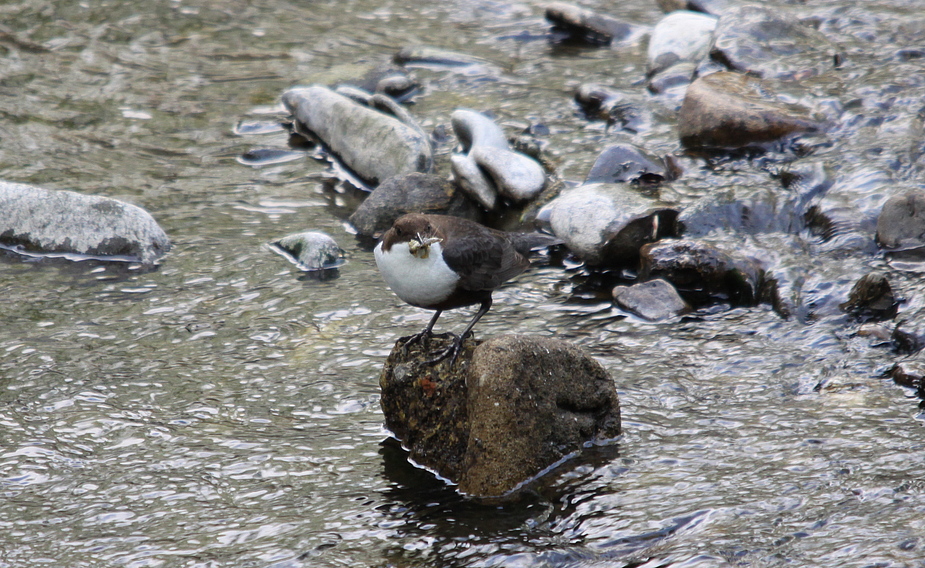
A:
422	338
452	351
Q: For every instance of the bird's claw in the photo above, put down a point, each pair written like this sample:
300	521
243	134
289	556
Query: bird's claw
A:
452	351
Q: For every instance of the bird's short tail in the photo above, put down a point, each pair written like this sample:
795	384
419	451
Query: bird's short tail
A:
526	242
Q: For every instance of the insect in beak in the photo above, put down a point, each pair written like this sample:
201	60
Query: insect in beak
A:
420	246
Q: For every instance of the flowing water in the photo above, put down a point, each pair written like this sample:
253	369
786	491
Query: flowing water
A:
222	410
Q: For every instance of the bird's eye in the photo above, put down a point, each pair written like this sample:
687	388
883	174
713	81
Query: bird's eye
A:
398	231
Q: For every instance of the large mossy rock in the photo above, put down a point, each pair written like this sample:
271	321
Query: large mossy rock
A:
509	408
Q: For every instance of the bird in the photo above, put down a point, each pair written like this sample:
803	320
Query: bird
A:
442	262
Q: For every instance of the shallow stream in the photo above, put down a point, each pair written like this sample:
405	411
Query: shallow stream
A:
223	410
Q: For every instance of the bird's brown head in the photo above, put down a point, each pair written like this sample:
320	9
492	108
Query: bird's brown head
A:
414	229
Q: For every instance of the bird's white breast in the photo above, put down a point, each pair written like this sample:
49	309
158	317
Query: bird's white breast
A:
418	281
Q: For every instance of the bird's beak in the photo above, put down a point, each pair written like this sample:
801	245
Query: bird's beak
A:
420	246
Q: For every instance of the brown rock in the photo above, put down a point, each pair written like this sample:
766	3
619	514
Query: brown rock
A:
507	411
727	110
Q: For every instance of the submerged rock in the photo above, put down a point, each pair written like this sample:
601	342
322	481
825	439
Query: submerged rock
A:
489	169
584	25
702	271
627	163
310	250
510	408
428	56
411	193
871	298
901	223
48	221
606	224
654	300
769	43
728	110
373	144
599	102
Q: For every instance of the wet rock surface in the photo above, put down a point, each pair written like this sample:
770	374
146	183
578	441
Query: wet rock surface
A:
728	110
310	250
606	224
901	223
702	271
511	408
411	193
488	169
585	25
654	300
373	144
626	163
871	298
48	221
770	43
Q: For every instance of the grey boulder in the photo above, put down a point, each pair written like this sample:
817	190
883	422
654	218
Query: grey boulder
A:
375	145
488	169
680	36
901	223
605	224
48	221
654	300
310	250
415	192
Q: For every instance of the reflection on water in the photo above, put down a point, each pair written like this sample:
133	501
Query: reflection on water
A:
223	409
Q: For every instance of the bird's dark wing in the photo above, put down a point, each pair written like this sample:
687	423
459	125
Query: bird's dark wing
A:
484	262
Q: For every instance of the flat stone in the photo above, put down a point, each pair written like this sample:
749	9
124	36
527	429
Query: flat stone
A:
48	221
654	300
627	163
586	25
701	269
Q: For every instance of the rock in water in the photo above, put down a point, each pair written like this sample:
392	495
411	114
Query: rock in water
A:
520	405
489	168
310	250
373	144
533	401
728	110
42	221
654	300
411	193
605	224
901	223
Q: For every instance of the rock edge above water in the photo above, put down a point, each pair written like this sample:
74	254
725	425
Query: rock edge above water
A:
48	221
510	408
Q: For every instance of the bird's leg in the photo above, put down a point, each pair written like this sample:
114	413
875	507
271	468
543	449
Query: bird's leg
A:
453	350
424	335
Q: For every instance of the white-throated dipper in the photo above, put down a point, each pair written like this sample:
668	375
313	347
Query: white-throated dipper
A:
440	262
